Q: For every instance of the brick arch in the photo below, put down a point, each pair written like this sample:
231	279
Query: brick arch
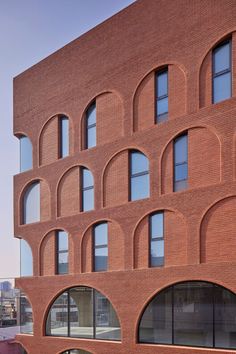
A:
175	238
115	177
202	141
217	232
115	244
109	118
45	200
144	96
68	191
49	139
205	70
47	253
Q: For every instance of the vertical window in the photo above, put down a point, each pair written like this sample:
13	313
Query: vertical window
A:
156	230
87	190
139	176
62	252
91	126
31	204
26	259
161	96
180	162
64	136
26	159
222	72
100	247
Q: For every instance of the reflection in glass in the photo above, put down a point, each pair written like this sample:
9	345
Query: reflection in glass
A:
180	162
91	126
26	158
157	239
57	321
64	136
62	252
139	176
31	203
100	247
222	89
26	315
26	259
87	184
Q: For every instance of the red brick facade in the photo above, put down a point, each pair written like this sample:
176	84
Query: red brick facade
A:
115	63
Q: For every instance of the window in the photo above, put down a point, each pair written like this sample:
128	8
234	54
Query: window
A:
87	190
64	136
83	312
91	126
62	252
181	162
221	72
26	159
192	313
26	259
26	315
156	231
31	204
139	176
161	96
100	247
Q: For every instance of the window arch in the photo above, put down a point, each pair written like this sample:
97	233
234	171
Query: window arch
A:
139	176
26	154
194	313
31	203
26	259
83	312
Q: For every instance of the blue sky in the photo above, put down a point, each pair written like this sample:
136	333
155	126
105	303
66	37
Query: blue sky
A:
30	30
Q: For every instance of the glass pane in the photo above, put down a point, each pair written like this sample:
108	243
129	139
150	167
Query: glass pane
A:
222	87
91	114
139	162
57	321
63	263
222	58
32	203
140	187
91	137
181	149
100	233
157	225
26	316
156	322
225	315
193	314
88	199
81	312
64	136
157	253
180	185
162	118
87	178
100	261
26	159
62	241
162	83
162	106
26	259
181	172
107	323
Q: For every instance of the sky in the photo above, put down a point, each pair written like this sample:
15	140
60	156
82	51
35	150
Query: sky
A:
30	30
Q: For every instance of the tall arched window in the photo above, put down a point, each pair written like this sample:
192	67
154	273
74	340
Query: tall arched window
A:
26	157
139	176
63	136
193	313
31	203
90	126
26	259
156	236
83	312
62	250
87	190
100	247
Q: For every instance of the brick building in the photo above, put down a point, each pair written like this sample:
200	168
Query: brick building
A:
127	191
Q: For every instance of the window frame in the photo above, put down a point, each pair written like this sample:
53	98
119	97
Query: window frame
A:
58	252
174	163
155	238
135	175
83	189
94	247
222	72
90	126
62	118
164	116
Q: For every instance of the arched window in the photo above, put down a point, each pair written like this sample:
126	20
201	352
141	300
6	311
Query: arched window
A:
76	351
87	190
161	95
26	158
90	126
31	203
26	259
192	313
181	162
63	136
139	176
83	312
62	250
26	315
156	236
100	247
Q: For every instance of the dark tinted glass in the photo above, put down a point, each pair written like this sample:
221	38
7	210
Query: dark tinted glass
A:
26	159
